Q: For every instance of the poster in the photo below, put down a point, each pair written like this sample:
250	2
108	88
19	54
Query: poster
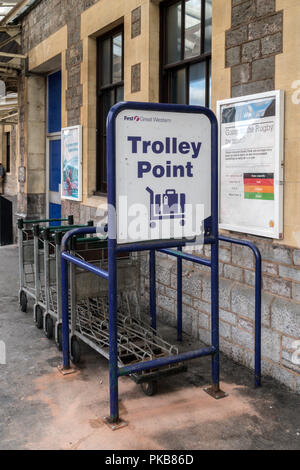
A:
251	130
163	174
71	163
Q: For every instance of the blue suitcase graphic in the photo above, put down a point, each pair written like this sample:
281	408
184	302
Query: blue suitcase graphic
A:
169	205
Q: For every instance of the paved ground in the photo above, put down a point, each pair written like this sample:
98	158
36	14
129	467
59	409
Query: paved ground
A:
40	409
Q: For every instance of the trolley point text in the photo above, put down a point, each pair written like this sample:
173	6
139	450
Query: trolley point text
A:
168	146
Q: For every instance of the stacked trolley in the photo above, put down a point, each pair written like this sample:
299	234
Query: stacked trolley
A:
89	312
26	257
88	316
47	275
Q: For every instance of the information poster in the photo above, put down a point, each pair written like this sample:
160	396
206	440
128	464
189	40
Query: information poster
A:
71	163
251	131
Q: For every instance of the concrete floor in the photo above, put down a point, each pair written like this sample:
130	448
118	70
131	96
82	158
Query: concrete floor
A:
41	409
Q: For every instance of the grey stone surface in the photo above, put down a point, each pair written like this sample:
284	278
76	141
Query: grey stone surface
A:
265	7
235	37
271	345
136	78
277	286
251	51
290	273
296	292
225	254
242	256
243	302
242	337
296	257
233	273
280	373
228	316
271	44
233	56
136	16
263	68
225	330
286	316
269	268
249	277
245	324
265	27
240	74
243	13
253	87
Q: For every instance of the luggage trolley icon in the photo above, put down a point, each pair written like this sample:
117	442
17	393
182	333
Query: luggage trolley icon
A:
169	205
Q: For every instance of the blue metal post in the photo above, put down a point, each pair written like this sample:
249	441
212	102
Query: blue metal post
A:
179	297
113	333
152	271
257	254
258	320
215	260
112	273
65	313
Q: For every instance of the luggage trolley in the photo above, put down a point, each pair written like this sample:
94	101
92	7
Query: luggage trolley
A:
27	286
137	341
47	271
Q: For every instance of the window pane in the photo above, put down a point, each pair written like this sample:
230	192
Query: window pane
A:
120	94
117	58
174	33
208	25
105	62
108	102
178	87
192	28
197	84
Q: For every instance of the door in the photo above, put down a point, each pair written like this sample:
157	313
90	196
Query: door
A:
54	146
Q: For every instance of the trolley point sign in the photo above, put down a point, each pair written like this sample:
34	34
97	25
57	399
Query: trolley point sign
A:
162	169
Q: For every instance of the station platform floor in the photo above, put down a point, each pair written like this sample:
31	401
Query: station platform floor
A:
41	409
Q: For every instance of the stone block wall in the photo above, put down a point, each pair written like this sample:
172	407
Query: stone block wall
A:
47	17
252	42
280	304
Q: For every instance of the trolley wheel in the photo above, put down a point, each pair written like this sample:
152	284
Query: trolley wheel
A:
149	388
59	337
49	327
23	301
75	351
39	318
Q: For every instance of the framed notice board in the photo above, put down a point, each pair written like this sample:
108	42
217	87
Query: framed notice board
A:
71	163
251	136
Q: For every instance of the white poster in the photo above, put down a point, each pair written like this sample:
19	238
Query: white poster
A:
71	163
251	156
163	175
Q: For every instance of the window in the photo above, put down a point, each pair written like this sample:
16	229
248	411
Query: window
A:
186	29
110	90
7	137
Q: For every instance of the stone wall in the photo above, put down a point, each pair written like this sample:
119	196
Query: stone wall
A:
280	303
41	22
252	43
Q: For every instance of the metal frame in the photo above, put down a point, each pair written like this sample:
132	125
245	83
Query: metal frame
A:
63	138
278	162
212	238
22	244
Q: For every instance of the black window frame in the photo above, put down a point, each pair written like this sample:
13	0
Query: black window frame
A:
101	183
8	151
166	69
